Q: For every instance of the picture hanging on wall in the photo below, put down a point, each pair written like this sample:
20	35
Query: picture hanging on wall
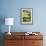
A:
26	15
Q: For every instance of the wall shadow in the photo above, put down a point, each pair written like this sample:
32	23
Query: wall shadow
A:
2	21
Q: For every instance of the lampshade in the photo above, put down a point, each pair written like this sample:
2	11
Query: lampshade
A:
9	21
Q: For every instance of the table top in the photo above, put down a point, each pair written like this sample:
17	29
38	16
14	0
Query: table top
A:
22	35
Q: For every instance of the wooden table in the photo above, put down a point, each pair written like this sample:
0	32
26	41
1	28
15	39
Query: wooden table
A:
20	39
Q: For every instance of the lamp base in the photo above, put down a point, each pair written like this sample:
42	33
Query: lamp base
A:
9	33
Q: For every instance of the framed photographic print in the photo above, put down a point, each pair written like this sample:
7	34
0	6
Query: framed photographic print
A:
26	15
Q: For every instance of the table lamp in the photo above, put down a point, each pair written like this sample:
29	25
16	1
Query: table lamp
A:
9	21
